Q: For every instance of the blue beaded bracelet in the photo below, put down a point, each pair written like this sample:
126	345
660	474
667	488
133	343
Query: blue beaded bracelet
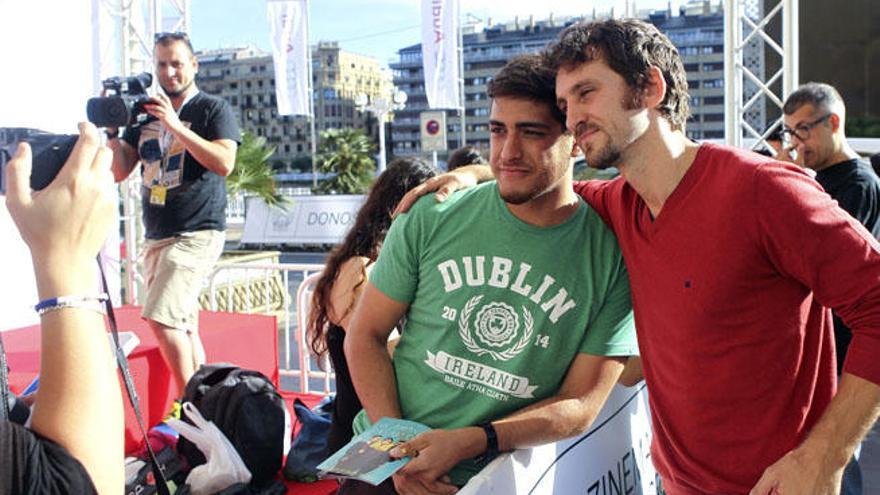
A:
93	303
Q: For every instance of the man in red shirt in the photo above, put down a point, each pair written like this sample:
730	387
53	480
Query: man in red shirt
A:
734	260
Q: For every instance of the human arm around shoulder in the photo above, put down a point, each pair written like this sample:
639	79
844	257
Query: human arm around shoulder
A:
79	405
445	184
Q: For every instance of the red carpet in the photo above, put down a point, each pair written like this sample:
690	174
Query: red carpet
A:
249	341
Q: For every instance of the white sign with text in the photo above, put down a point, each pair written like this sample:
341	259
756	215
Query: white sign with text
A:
613	457
307	220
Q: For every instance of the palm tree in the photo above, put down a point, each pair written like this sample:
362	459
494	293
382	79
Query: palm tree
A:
348	154
252	173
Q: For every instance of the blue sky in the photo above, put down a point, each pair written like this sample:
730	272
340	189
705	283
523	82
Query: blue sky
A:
371	27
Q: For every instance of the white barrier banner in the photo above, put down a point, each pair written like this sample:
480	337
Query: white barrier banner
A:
613	457
307	220
440	52
290	54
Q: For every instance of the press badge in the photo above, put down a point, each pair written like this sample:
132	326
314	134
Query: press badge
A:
157	195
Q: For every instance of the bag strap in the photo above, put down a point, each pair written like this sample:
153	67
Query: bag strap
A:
122	361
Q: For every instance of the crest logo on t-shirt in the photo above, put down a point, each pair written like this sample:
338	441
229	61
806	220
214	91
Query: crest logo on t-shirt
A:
496	329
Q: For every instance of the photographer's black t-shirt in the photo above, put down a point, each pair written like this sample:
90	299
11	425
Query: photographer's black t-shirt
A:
195	197
32	464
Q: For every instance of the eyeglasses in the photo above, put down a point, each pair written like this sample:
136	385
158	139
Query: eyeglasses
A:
802	132
175	35
164	38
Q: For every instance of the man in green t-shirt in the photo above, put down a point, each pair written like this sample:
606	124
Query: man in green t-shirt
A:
516	298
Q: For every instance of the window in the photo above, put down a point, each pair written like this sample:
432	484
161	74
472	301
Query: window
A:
233	85
714	100
247	84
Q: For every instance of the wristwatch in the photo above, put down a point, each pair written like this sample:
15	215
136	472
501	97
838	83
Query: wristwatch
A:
491	451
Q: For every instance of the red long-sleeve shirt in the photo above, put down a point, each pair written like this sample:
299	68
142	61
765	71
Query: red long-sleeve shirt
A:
730	285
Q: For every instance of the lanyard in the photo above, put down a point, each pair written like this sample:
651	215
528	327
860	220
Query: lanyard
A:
166	138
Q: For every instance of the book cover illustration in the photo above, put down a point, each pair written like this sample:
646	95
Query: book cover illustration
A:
366	457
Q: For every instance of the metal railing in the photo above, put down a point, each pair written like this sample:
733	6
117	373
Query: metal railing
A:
292	321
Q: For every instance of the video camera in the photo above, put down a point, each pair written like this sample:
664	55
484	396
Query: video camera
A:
123	108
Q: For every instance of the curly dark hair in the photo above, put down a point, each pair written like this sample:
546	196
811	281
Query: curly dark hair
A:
364	239
630	47
527	77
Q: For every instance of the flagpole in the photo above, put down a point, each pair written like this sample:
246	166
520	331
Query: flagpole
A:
462	107
314	143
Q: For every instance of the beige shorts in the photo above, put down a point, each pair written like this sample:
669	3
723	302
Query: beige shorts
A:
175	269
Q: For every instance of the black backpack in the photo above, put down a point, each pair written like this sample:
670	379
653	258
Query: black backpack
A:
248	409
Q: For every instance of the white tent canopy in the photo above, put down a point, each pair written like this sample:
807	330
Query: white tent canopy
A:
50	53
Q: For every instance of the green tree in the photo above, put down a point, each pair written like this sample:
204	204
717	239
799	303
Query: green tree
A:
865	126
347	153
252	173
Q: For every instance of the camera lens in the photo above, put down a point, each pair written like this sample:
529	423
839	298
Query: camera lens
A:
109	111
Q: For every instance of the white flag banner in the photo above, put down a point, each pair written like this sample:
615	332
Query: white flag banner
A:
440	52
290	54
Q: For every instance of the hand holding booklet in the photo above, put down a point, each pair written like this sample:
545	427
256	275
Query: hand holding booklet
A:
366	457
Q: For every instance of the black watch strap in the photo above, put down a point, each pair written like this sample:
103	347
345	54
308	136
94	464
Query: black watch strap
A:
491	451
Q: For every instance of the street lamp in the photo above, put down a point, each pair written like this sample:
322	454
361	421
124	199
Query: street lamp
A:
381	106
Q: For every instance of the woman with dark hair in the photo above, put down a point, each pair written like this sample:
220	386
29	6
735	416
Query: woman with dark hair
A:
343	278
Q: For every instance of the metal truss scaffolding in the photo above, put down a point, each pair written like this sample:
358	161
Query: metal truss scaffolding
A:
127	29
760	65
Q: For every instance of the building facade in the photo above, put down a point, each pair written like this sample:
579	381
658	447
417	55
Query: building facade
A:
697	29
245	78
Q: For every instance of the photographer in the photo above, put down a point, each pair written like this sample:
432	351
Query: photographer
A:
185	153
75	444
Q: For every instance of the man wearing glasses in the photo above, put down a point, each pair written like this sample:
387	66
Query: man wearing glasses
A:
814	128
186	153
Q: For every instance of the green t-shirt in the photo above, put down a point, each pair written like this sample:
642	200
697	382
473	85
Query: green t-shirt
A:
498	308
